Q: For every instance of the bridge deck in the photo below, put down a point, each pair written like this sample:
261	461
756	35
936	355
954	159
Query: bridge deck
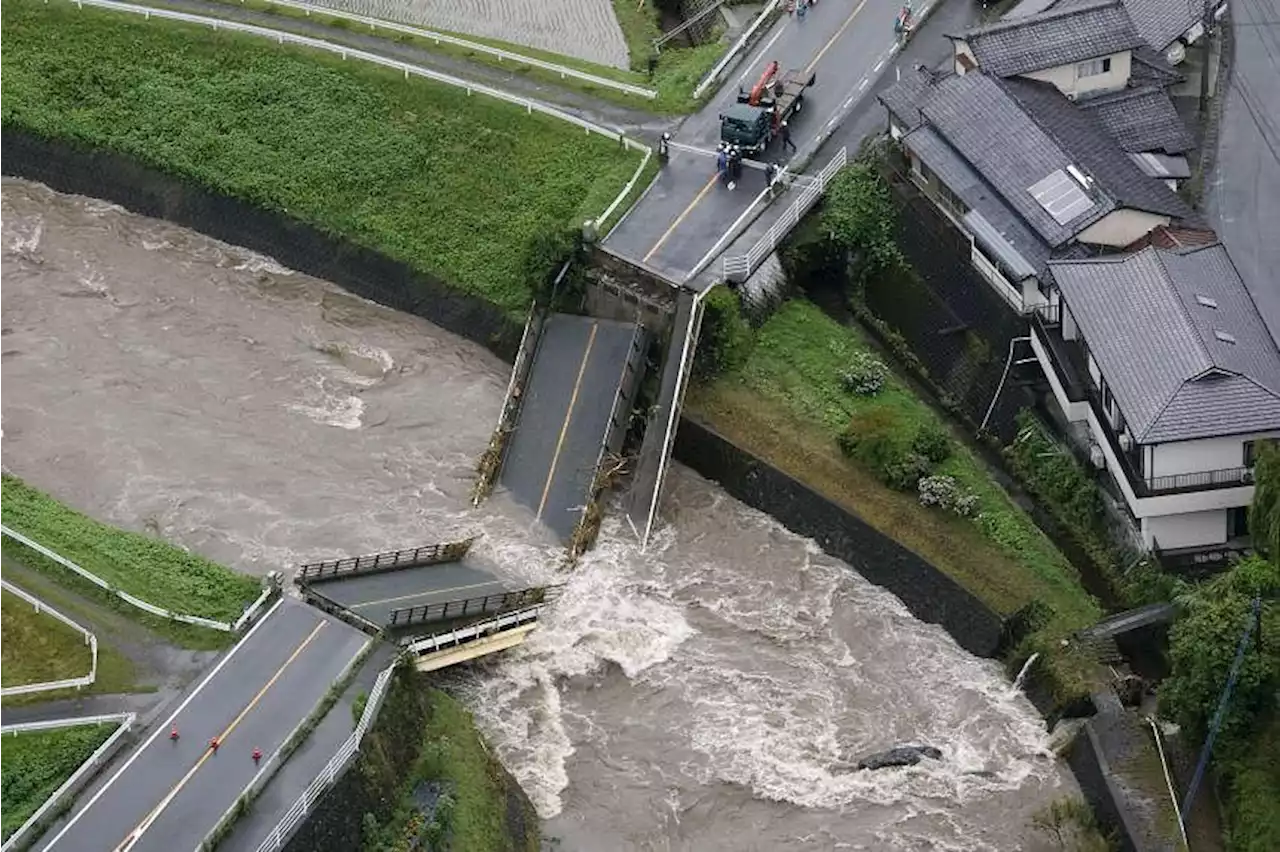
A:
376	596
565	416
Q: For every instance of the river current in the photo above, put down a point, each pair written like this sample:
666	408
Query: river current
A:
702	695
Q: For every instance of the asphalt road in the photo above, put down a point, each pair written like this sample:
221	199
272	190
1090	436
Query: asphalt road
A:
846	43
376	596
565	417
1243	195
167	795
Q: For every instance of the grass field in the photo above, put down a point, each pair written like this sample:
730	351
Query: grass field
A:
457	187
153	570
788	405
34	765
37	648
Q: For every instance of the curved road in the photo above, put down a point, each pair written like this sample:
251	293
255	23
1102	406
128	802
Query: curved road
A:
168	795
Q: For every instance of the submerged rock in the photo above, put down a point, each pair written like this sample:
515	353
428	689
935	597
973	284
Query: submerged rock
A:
908	755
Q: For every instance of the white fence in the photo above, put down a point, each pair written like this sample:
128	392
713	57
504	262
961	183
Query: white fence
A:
475	47
78	778
130	599
431	644
89	639
739	268
333	769
530	106
766	14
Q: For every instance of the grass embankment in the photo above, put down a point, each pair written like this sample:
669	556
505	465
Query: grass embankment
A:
37	648
466	189
787	402
476	804
34	765
153	570
678	69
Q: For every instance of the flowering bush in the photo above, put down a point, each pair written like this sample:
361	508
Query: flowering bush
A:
865	376
945	493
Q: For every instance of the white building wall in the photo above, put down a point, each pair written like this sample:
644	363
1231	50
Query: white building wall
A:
1121	227
1067	81
1192	529
1202	455
1075	412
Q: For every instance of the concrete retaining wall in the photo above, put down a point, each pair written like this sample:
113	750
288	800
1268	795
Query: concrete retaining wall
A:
930	594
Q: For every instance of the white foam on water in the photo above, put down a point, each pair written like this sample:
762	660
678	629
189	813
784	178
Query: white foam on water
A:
255	263
341	410
27	240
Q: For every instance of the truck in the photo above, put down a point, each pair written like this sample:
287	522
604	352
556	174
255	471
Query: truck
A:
754	120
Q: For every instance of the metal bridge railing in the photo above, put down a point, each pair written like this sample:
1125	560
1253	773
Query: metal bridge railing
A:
473	606
738	269
430	554
423	645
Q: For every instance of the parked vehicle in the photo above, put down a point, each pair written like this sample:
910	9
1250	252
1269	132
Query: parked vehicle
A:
754	120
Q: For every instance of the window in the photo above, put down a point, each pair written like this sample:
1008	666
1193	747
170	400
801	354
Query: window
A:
1094	67
950	200
1251	450
1238	522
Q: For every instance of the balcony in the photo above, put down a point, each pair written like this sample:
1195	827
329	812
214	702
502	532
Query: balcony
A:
1229	477
1066	356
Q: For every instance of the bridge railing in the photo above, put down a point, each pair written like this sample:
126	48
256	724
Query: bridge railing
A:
392	560
423	645
472	606
739	268
490	464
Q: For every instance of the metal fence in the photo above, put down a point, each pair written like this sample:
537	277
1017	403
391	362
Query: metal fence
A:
739	268
472	606
766	14
134	601
333	770
392	560
78	778
473	46
89	639
422	645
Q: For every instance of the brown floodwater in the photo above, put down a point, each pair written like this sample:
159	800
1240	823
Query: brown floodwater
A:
701	695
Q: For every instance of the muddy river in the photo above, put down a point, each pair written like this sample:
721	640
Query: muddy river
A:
702	695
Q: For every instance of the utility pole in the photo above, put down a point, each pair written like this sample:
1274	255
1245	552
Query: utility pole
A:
1206	52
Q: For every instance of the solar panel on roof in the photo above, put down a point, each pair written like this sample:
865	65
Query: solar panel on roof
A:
1060	196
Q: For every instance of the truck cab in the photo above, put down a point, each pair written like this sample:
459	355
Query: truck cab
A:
748	127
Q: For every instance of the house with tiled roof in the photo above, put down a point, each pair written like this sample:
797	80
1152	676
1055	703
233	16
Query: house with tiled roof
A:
1161	358
1167	27
1024	174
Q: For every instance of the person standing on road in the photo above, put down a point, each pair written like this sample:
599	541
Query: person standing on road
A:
722	162
785	132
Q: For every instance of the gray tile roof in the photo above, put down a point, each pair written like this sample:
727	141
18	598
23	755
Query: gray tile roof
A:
1159	349
1141	119
1161	22
1063	35
1150	68
1000	141
1091	148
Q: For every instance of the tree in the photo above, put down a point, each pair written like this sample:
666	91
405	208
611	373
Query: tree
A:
725	339
859	216
1202	645
1264	514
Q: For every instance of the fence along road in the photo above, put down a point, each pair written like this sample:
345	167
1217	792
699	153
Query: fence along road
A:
89	639
168	795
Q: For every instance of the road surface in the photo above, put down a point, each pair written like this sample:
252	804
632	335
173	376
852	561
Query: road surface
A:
376	596
167	795
846	43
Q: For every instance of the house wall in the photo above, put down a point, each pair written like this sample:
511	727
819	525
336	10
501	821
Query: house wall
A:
1073	411
1121	227
1204	454
1191	529
960	47
1065	78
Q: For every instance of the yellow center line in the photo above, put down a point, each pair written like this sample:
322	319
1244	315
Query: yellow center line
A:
681	217
568	415
847	21
208	752
449	590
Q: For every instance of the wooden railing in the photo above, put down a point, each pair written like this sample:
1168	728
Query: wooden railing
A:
394	560
473	606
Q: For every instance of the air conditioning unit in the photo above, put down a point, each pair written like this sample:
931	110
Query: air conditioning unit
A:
1126	441
1096	456
1247	477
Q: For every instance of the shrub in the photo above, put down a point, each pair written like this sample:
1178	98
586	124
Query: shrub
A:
945	493
725	341
865	376
859	215
874	439
932	442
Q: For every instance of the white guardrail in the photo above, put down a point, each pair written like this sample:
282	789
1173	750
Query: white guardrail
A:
333	769
766	14
740	267
476	47
89	639
138	602
281	37
79	777
431	644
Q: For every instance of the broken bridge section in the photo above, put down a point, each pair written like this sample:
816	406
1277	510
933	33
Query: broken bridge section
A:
573	412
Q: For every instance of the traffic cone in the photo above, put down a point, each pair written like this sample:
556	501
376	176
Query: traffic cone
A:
257	754
173	733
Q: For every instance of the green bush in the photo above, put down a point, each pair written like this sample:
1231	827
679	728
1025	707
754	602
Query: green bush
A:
458	187
725	340
874	439
865	375
1252	794
859	215
932	442
154	570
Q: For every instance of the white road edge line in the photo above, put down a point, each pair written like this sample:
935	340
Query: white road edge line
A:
164	727
760	54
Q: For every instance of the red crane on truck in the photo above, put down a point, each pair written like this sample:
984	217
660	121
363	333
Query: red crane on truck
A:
752	123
